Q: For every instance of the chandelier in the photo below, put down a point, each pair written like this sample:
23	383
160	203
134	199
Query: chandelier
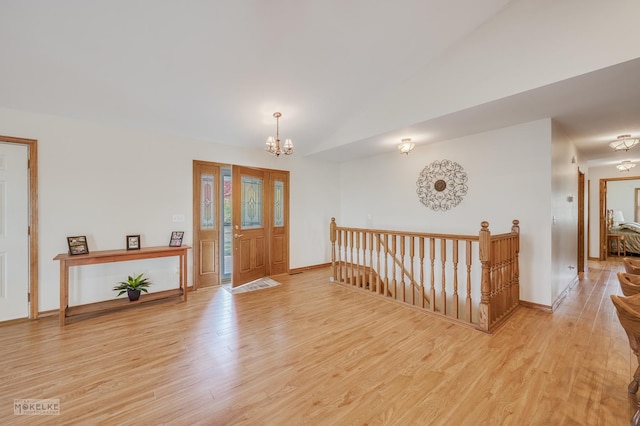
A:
273	144
625	166
624	143
406	146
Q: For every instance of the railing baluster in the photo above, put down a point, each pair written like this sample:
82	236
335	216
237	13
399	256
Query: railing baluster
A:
443	259
422	295
402	289
332	238
386	264
350	265
371	283
378	284
432	254
340	277
394	284
358	282
412	242
469	306
455	278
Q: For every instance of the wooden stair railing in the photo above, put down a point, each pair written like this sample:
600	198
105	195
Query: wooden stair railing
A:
392	264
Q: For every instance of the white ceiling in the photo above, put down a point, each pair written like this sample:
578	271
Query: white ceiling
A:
217	70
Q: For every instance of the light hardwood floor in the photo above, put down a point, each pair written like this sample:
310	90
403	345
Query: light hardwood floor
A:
313	352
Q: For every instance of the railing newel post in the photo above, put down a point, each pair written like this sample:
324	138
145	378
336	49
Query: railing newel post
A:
484	314
516	226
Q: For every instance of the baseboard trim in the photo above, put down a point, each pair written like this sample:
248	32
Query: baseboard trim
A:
13	321
50	313
536	306
308	268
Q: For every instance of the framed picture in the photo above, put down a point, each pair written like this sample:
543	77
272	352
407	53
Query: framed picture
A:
78	245
133	242
176	239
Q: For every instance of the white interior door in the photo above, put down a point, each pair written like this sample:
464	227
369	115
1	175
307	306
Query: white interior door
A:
14	233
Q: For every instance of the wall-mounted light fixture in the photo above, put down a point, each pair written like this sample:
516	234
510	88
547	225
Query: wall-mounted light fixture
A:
406	146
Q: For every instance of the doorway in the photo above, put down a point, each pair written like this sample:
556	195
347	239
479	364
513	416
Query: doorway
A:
581	224
25	225
626	204
240	223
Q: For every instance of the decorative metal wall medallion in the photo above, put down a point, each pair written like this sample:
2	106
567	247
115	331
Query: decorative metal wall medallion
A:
442	185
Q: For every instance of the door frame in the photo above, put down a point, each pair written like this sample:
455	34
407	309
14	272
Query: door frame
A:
581	247
32	220
268	201
603	212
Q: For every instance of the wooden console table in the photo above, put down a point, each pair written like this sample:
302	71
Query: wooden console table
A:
108	256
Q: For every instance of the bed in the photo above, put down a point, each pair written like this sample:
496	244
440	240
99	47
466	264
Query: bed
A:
631	233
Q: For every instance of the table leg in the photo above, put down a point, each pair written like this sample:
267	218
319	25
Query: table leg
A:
64	291
183	275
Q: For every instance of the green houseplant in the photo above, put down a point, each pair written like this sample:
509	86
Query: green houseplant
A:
133	286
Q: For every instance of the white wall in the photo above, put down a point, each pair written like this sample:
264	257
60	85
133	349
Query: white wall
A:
106	182
509	173
564	200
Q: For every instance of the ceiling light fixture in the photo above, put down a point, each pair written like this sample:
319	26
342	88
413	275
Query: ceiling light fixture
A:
625	166
406	146
273	144
624	143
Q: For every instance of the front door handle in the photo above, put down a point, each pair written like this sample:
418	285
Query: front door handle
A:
238	235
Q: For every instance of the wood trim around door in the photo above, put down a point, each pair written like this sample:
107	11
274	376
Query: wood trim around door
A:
32	146
603	213
581	248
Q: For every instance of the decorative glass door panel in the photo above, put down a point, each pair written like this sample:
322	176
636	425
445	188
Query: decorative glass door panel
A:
227	237
207	203
252	203
278	203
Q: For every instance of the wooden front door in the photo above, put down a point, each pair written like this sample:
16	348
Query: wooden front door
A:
206	223
250	221
14	231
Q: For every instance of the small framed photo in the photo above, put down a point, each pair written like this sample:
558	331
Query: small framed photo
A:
78	245
133	242
176	239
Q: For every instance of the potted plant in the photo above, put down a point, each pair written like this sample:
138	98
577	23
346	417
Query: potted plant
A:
133	286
